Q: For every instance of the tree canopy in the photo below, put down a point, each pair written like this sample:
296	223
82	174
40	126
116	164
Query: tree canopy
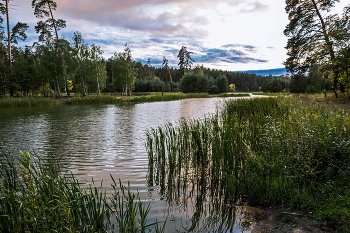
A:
315	37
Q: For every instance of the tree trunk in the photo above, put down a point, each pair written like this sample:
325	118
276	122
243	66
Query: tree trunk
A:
61	53
9	55
331	52
98	86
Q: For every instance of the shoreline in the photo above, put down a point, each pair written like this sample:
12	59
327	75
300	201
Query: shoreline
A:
32	101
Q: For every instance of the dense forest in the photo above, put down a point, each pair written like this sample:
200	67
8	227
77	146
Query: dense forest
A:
318	59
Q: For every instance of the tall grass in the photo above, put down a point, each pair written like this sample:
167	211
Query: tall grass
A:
27	102
166	96
266	151
34	197
101	99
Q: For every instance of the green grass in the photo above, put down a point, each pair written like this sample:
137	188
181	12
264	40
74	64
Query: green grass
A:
265	151
93	99
27	102
36	197
231	94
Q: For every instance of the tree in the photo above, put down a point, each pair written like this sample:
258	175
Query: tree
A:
165	67
195	82
123	71
185	60
13	35
314	37
44	9
232	87
222	84
90	68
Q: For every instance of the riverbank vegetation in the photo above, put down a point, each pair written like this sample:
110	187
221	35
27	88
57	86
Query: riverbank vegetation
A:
36	197
108	99
261	152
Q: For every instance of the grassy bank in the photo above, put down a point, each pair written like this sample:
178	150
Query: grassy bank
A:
34	197
27	102
266	151
106	99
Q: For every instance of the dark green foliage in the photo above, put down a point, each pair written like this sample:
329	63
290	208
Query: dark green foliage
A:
275	84
197	82
315	37
222	84
194	83
154	85
185	60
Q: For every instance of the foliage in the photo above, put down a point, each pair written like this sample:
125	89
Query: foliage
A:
315	37
34	197
194	83
275	84
185	60
123	71
263	151
153	85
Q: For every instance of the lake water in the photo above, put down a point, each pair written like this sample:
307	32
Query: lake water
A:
99	141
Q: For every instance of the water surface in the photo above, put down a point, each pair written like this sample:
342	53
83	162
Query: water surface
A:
99	141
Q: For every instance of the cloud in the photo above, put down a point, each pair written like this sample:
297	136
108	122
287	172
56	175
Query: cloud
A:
160	17
213	30
224	55
254	7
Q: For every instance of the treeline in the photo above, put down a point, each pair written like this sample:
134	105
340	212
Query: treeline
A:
54	66
202	79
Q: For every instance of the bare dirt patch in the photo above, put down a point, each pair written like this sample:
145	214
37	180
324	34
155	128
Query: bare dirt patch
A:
279	220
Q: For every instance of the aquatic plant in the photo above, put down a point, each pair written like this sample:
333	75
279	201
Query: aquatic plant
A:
36	197
265	151
27	102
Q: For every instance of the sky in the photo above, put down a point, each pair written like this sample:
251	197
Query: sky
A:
231	35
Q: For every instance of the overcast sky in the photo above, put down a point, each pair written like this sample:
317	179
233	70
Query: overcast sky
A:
229	35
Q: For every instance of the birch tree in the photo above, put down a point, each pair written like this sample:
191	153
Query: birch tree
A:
123	71
90	66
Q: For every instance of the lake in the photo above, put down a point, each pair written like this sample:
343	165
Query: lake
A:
99	141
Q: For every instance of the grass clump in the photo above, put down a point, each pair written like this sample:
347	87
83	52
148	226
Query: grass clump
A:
264	151
34	197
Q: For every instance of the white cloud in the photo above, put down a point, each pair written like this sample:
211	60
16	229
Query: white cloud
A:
157	28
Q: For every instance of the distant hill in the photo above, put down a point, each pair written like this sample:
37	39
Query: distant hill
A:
273	72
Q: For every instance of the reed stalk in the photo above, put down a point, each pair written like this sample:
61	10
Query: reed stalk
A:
36	197
265	151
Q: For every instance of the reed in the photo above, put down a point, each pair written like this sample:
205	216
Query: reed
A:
165	96
231	94
27	102
36	197
102	99
265	151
